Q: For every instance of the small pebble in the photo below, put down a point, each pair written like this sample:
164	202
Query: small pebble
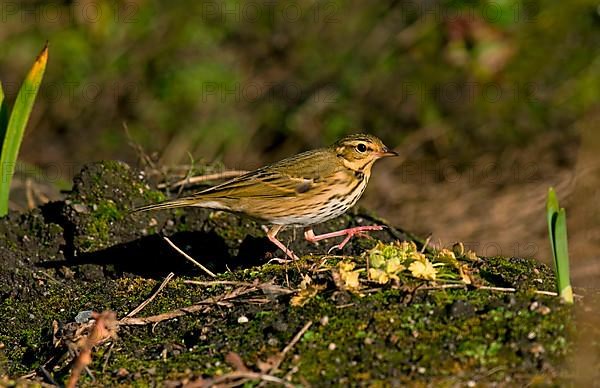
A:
80	208
83	316
243	319
537	349
544	310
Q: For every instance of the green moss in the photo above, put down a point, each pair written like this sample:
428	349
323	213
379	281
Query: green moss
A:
517	272
97	230
100	202
152	196
385	335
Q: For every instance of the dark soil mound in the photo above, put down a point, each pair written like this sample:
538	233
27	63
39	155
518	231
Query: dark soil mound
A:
88	253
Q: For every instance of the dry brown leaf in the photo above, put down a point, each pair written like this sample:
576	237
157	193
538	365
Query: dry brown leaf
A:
236	362
306	294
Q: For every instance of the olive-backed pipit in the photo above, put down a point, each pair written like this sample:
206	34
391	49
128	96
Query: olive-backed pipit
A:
302	190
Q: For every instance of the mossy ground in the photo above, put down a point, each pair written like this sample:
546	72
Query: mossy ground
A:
89	253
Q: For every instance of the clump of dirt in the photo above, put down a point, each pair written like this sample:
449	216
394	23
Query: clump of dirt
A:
89	252
28	242
97	208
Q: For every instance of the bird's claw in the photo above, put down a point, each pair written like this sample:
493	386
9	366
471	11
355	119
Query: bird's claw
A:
333	248
281	261
359	231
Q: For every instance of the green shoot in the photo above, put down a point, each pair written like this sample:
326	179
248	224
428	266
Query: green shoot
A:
557	229
12	128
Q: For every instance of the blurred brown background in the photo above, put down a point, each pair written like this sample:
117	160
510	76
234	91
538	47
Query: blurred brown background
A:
490	102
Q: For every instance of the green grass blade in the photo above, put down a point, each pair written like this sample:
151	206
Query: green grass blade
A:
16	126
551	214
557	233
562	257
3	116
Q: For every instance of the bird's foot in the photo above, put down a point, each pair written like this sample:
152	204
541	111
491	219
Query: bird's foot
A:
271	236
288	252
349	233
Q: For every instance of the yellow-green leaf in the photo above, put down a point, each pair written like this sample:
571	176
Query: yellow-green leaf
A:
423	270
551	214
16	126
378	275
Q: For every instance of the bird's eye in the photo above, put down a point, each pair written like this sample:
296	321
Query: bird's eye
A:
361	148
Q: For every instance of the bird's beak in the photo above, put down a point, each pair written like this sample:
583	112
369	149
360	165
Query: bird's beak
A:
387	153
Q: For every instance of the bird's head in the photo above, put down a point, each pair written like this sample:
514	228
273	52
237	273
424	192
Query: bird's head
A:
359	152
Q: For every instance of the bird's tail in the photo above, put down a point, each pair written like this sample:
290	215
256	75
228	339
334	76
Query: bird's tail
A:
169	204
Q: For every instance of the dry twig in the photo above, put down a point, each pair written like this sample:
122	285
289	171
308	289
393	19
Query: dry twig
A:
238	378
427	241
266	287
151	298
488	288
218	283
222	300
29	193
203	178
209	272
242	374
511	289
293	342
139	150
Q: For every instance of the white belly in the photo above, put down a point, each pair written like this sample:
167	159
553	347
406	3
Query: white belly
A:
327	211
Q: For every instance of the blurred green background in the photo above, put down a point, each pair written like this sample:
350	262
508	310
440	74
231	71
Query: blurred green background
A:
455	85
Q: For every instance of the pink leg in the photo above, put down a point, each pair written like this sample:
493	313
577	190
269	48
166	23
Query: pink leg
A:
271	236
310	236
